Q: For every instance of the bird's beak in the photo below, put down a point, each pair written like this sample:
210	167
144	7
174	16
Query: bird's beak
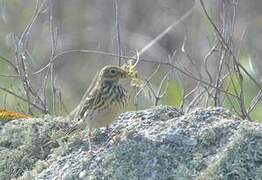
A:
124	73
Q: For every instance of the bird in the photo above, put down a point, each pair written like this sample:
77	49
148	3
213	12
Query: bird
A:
106	100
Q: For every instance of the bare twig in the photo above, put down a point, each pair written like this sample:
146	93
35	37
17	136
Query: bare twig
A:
210	52
23	99
53	49
22	70
148	84
221	60
118	31
227	46
193	62
9	62
147	80
21	67
38	9
126	57
254	102
238	67
167	30
172	57
161	94
185	96
194	100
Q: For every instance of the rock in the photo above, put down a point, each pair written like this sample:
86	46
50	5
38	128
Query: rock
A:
82	174
157	143
22	144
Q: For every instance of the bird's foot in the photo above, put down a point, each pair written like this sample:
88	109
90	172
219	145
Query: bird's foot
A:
90	151
108	130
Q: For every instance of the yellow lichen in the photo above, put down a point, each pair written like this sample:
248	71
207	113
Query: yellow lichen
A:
10	115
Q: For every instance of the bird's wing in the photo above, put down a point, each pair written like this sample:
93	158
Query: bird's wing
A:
86	109
93	101
74	113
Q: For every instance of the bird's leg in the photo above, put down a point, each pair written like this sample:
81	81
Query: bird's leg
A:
108	130
89	138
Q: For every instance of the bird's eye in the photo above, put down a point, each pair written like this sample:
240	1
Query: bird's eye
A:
113	71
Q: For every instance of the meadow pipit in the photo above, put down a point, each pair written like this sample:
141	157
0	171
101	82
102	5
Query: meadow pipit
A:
104	103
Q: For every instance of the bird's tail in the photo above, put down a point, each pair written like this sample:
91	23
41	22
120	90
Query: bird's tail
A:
81	124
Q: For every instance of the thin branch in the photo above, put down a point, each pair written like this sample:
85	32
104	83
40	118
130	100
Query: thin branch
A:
23	99
210	52
118	31
159	94
148	79
9	62
167	30
185	96
36	13
254	102
53	50
227	46
195	65
194	100
218	78
126	57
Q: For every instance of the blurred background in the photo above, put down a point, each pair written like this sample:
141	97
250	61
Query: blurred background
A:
50	27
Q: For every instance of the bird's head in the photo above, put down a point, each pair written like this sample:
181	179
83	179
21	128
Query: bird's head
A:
112	74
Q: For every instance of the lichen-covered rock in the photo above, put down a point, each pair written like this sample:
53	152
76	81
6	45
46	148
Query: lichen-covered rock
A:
157	143
22	144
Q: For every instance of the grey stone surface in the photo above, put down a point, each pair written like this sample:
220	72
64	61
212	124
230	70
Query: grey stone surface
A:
156	143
